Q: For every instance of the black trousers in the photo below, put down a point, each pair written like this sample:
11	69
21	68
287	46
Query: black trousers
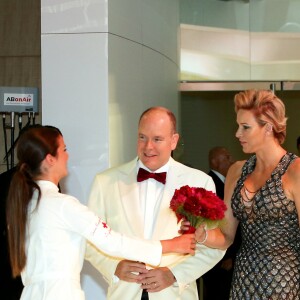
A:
145	295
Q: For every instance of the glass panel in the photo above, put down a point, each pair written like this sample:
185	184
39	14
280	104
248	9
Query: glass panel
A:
240	40
275	40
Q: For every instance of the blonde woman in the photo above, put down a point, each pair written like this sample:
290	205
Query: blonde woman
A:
263	196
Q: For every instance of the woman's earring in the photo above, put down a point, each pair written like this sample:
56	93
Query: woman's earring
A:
269	128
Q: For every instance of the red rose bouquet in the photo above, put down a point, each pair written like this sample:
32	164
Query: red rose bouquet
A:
198	206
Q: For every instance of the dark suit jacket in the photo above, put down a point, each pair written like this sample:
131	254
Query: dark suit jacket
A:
218	183
218	276
232	250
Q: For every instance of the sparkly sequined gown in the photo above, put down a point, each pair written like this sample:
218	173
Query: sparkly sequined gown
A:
268	264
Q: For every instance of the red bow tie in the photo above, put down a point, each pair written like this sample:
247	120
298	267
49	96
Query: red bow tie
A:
144	174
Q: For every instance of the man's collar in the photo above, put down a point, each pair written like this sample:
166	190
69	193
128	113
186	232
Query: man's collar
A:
222	177
164	168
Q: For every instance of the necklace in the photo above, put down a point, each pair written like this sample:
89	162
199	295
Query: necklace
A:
247	200
248	194
249	191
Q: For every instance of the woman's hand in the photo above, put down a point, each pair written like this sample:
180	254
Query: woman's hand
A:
213	238
185	225
201	234
184	244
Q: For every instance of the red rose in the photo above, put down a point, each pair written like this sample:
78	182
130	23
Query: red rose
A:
197	205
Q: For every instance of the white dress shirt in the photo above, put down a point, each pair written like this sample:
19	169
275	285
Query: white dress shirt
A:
222	177
150	195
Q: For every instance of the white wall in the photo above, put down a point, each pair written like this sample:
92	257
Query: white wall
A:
143	67
103	63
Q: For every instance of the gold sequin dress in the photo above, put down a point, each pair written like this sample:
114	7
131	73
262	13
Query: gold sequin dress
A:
268	263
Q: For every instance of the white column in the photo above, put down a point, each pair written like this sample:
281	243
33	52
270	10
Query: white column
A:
75	96
103	63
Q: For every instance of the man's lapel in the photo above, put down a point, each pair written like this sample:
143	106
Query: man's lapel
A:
166	215
129	193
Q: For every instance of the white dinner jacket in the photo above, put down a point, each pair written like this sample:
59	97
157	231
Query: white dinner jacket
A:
114	197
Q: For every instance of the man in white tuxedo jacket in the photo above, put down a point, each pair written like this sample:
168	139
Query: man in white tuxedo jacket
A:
139	207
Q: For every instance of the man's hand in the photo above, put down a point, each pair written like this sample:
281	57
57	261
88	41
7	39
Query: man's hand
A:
157	279
131	271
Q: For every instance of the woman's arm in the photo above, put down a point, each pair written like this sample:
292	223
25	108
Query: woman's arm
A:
291	184
223	236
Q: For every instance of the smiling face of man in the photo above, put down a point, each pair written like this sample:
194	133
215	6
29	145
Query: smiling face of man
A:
156	138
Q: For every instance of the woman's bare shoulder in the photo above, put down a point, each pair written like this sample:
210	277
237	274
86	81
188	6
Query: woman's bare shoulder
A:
233	175
236	169
293	170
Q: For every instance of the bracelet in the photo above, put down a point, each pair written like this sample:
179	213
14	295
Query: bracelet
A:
205	238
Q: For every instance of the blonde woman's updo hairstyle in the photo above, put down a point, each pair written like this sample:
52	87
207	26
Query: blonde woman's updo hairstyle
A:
267	108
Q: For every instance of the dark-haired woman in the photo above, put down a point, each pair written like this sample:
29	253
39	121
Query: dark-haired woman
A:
47	230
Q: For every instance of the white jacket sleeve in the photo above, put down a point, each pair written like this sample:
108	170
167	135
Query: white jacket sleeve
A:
81	220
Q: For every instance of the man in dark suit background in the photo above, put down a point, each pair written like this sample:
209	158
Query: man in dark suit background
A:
219	160
217	281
